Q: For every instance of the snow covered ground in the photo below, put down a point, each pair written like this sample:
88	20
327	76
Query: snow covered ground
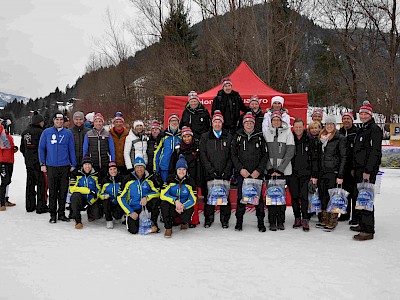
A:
55	261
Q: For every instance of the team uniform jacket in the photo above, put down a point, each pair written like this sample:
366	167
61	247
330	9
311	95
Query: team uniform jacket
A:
111	187
164	150
30	144
135	146
134	190
302	161
57	148
79	135
99	145
85	183
230	106
197	119
259	117
179	189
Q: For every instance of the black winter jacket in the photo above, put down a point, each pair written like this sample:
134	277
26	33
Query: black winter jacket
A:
230	106
30	144
248	152
79	135
259	116
215	155
367	151
350	135
333	157
197	119
302	160
192	157
152	144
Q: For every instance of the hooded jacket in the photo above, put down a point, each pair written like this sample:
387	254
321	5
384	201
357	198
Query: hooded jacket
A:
197	119
30	144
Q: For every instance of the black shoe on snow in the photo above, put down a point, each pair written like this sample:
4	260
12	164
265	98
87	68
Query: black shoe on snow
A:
64	219
225	225
238	227
353	222
207	224
192	225
273	227
53	220
281	227
356	228
262	228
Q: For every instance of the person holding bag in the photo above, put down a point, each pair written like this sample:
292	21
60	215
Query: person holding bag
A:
249	157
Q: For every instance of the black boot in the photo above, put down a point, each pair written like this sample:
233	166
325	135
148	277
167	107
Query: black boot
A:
281	226
261	226
239	226
63	218
53	219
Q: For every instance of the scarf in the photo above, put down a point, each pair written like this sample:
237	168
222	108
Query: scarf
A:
324	140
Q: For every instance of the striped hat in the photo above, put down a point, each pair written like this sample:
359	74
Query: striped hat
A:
173	116
348	114
98	116
275	114
249	117
218	116
156	124
366	108
118	116
254	98
186	130
317	111
193	95
225	81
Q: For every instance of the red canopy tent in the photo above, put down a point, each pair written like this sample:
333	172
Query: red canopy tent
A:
247	83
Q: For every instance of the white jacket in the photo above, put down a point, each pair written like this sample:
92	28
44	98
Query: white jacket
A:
135	147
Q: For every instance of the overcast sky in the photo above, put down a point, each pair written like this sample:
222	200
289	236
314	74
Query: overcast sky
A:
47	43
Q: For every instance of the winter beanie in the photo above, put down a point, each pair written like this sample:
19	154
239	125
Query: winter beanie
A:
173	116
139	162
330	120
277	99
156	124
118	116
78	115
98	116
137	123
193	95
181	163
254	98
276	114
36	118
186	130
249	117
90	117
317	111
87	160
112	164
348	114
366	108
218	116
225	81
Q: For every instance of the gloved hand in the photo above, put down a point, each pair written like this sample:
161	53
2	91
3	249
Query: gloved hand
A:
312	188
93	193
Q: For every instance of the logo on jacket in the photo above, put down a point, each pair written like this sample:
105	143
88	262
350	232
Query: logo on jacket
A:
53	139
28	139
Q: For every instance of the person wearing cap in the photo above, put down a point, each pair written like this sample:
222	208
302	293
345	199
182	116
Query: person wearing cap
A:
57	158
215	155
135	195
66	122
230	104
119	134
349	131
79	131
154	139
89	120
109	193
255	109
162	155
178	197
84	188
317	115
332	167
195	116
135	145
276	105
190	150
280	148
367	154
7	151
99	145
35	178
303	170
249	157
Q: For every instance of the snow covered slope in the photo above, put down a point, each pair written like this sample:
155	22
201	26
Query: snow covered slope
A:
56	261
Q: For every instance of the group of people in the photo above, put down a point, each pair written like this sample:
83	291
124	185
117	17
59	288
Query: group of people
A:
120	172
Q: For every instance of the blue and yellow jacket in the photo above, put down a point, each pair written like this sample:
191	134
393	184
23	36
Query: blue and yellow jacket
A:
134	190
164	150
182	190
111	187
84	183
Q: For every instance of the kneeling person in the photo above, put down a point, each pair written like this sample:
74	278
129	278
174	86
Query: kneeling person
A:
178	197
84	188
135	194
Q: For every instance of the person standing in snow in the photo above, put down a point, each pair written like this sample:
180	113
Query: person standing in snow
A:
367	154
99	146
256	110
178	197
249	157
215	155
7	151
79	131
57	158
35	178
280	148
154	139
135	145
119	135
230	104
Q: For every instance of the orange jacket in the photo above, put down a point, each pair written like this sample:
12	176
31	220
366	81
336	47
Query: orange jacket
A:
119	143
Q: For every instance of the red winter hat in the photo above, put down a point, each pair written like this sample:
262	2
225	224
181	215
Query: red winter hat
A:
218	116
318	111
156	124
276	114
112	164
348	114
98	116
193	95
225	81
254	98
249	117
173	116
366	108
186	130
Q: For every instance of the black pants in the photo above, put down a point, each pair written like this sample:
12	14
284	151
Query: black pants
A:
79	203
209	210
241	208
169	213
298	187
58	180
276	214
153	206
131	224
349	184
35	188
325	182
112	210
366	218
6	172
